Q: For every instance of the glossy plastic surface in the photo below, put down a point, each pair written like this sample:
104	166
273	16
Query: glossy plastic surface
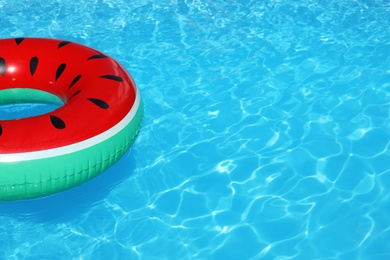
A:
100	116
96	90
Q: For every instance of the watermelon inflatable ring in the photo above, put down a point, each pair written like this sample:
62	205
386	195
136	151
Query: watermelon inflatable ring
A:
100	113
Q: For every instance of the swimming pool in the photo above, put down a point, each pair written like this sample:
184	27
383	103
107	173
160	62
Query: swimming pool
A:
266	133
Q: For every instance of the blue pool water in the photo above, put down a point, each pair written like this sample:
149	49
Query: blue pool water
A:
266	135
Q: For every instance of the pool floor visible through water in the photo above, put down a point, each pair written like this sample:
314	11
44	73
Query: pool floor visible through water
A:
266	133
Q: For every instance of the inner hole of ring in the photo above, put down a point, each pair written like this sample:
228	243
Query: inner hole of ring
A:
17	103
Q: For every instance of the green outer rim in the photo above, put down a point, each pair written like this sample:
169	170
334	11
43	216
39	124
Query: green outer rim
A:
50	175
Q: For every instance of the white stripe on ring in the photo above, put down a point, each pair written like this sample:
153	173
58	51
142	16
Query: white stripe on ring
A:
72	148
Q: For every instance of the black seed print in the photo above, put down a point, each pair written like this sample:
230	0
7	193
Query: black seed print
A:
97	56
74	81
99	103
1	130
57	122
2	66
63	43
60	69
74	94
19	40
112	77
33	65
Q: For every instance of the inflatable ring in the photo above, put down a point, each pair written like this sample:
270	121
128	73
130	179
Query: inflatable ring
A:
98	119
